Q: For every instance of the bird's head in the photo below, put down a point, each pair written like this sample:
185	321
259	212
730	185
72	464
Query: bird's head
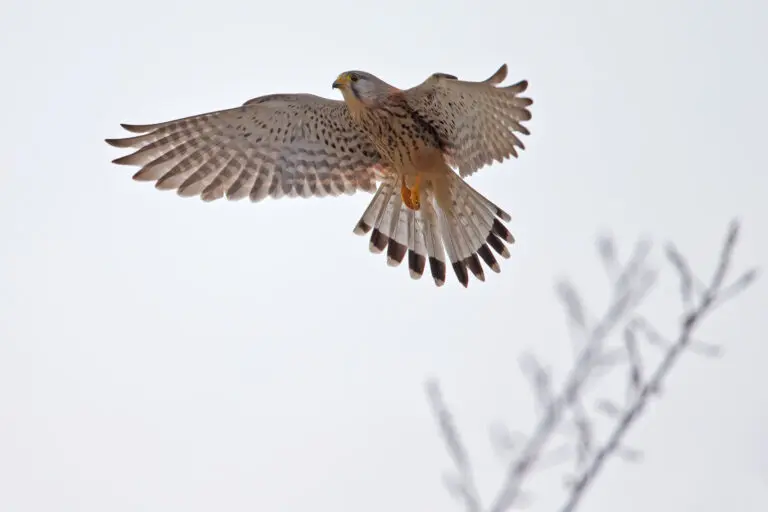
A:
362	87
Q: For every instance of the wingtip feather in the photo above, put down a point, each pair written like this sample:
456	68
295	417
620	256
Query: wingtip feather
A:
499	76
116	143
123	160
138	128
518	87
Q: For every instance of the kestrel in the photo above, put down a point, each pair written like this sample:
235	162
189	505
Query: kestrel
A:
408	140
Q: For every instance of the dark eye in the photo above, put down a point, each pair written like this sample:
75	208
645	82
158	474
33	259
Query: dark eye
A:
354	77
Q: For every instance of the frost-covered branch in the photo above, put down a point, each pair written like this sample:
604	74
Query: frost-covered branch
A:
697	304
595	357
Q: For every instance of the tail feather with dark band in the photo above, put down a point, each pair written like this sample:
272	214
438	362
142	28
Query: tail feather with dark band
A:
466	232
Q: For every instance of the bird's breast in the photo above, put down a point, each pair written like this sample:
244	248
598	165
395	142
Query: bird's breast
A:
400	137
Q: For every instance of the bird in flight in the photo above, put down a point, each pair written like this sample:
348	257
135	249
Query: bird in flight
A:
406	141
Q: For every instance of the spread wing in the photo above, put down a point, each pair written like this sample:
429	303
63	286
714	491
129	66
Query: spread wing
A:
281	144
477	122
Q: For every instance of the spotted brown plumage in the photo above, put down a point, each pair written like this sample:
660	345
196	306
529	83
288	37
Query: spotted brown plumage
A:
282	144
302	145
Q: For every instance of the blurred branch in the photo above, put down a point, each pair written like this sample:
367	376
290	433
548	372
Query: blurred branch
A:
631	285
461	484
697	308
541	381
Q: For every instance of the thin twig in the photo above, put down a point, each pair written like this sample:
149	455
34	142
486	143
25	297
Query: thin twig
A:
464	486
631	285
626	299
689	323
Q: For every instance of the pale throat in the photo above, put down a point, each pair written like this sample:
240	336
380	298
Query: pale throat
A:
355	105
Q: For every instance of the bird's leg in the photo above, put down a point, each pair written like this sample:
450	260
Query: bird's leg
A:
415	198
405	194
411	196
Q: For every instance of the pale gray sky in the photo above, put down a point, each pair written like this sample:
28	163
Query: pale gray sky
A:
163	354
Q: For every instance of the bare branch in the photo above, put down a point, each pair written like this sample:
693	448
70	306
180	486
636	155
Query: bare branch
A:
585	435
572	304
688	325
540	381
642	325
611	358
505	442
631	285
705	349
725	258
606	248
635	360
686	276
736	287
628	454
635	266
462	485
609	408
629	291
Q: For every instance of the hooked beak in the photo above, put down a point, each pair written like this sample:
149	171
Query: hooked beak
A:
340	82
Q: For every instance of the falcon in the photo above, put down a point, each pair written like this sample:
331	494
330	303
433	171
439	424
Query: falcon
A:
403	145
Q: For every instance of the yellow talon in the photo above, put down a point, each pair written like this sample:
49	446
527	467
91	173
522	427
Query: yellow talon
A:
411	196
415	194
405	194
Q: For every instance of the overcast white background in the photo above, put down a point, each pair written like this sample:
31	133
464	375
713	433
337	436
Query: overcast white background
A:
159	353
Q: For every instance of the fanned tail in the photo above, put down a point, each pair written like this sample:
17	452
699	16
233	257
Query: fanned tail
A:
467	231
400	230
471	227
